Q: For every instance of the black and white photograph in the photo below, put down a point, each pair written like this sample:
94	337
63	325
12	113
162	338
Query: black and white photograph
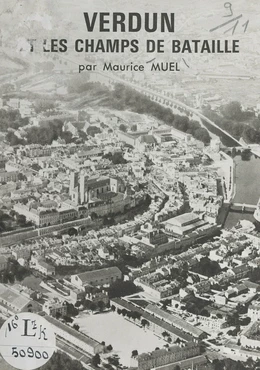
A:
130	185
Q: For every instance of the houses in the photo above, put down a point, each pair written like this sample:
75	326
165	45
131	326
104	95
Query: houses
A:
162	357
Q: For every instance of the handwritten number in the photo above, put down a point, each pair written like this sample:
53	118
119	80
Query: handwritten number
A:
38	355
228	5
245	25
30	352
14	352
232	28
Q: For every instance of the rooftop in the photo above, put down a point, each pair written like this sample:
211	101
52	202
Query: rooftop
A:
13	298
175	320
183	219
88	276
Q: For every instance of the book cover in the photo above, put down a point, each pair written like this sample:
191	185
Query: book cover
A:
129	184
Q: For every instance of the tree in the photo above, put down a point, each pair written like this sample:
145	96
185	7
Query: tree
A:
21	220
144	323
232	110
134	128
101	306
93	216
76	327
68	319
136	315
207	267
43	105
109	347
205	312
134	353
202	135
122	127
96	360
93	130
165	334
122	288
58	315
113	308
93	306
78	304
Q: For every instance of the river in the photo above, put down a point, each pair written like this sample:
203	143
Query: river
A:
247	187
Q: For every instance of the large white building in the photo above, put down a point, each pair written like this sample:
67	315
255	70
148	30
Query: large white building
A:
100	277
183	224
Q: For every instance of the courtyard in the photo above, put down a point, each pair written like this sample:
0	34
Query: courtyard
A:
123	335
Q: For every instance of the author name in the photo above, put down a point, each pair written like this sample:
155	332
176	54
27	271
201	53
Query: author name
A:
132	67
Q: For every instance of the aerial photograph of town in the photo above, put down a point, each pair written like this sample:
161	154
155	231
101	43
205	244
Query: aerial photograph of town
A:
129	181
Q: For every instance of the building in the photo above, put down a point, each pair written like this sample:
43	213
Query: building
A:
37	150
78	339
39	215
77	294
98	296
130	138
161	357
12	301
97	277
7	176
42	266
254	311
213	322
85	189
176	321
54	307
183	224
158	290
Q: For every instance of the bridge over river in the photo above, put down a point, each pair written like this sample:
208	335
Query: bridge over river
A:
243	207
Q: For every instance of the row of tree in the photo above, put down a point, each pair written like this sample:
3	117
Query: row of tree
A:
235	121
44	134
